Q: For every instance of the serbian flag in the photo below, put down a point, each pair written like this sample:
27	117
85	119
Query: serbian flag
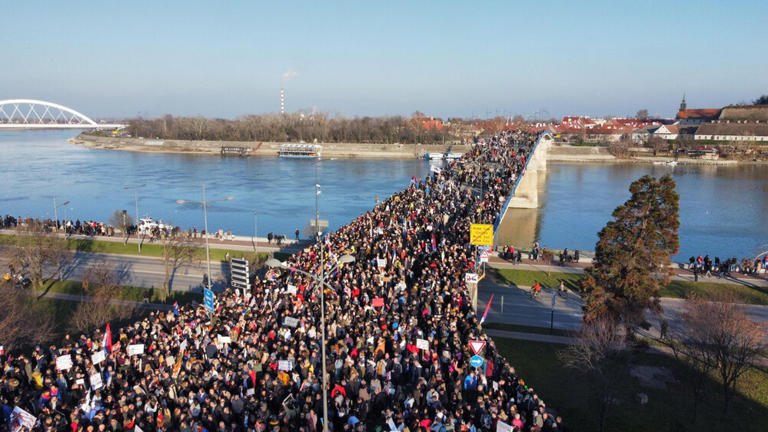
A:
485	314
107	341
434	243
175	308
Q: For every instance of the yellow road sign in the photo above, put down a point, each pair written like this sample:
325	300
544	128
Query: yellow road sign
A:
481	234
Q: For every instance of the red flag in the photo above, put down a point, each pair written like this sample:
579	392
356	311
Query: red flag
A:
253	376
485	314
107	341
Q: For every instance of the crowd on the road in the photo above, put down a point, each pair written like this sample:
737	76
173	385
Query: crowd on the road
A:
399	322
705	266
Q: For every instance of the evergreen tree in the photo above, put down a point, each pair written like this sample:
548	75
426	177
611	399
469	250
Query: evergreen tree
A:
632	254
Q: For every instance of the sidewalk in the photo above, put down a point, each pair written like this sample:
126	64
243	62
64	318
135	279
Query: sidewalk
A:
117	302
240	243
578	268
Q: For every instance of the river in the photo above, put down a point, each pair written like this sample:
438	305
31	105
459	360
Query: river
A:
722	208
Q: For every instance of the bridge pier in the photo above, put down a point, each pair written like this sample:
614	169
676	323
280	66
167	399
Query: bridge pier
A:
519	220
527	192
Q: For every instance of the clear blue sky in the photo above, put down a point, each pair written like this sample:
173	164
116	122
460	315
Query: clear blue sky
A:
445	58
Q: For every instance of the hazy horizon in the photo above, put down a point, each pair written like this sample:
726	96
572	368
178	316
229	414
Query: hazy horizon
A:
446	59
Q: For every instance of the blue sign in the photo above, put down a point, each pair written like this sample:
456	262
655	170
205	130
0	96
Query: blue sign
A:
208	299
476	361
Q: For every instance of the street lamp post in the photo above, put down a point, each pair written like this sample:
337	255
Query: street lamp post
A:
56	211
204	204
344	259
255	232
136	202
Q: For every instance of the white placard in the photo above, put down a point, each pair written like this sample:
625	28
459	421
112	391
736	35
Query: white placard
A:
250	391
21	419
64	362
224	339
381	262
135	349
80	381
470	277
98	357
170	361
183	346
96	382
292	289
503	427
291	322
284	365
422	344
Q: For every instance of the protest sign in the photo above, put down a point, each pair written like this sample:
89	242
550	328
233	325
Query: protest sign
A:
422	344
98	357
136	349
63	362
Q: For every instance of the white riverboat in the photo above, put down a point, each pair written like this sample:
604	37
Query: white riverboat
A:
300	151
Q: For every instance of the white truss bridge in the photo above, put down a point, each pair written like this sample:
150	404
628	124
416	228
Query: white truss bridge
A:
37	114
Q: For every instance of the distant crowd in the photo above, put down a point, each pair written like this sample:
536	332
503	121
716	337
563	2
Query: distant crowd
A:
705	266
399	322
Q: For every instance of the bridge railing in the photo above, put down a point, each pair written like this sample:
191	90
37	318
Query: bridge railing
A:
512	191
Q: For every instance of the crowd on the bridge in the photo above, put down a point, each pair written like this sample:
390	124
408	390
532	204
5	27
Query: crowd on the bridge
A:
399	322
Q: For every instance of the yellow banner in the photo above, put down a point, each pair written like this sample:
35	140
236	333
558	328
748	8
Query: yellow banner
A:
481	234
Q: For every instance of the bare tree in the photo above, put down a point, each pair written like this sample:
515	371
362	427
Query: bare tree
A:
100	284
718	335
36	251
121	218
657	144
599	351
642	114
177	252
620	148
22	322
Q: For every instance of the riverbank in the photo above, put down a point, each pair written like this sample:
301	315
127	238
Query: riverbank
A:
567	153
265	149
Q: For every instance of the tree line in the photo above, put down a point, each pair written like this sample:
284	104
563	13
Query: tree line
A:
296	127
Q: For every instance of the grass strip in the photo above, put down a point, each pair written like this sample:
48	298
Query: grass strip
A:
676	289
569	392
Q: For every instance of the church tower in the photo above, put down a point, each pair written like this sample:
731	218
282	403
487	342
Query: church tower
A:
683	105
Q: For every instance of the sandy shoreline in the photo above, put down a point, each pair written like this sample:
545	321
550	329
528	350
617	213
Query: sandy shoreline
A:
557	153
265	149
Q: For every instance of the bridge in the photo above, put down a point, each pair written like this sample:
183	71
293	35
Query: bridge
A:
518	219
24	114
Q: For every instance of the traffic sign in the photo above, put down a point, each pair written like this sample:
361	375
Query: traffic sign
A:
477	346
208	299
481	234
239	273
476	361
484	255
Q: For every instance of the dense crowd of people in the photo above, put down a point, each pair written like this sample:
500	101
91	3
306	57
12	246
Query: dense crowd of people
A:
705	266
399	322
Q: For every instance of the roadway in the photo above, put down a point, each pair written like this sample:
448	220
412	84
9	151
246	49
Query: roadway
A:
513	304
145	272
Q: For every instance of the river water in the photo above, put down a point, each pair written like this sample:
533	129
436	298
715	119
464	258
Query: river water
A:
722	208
